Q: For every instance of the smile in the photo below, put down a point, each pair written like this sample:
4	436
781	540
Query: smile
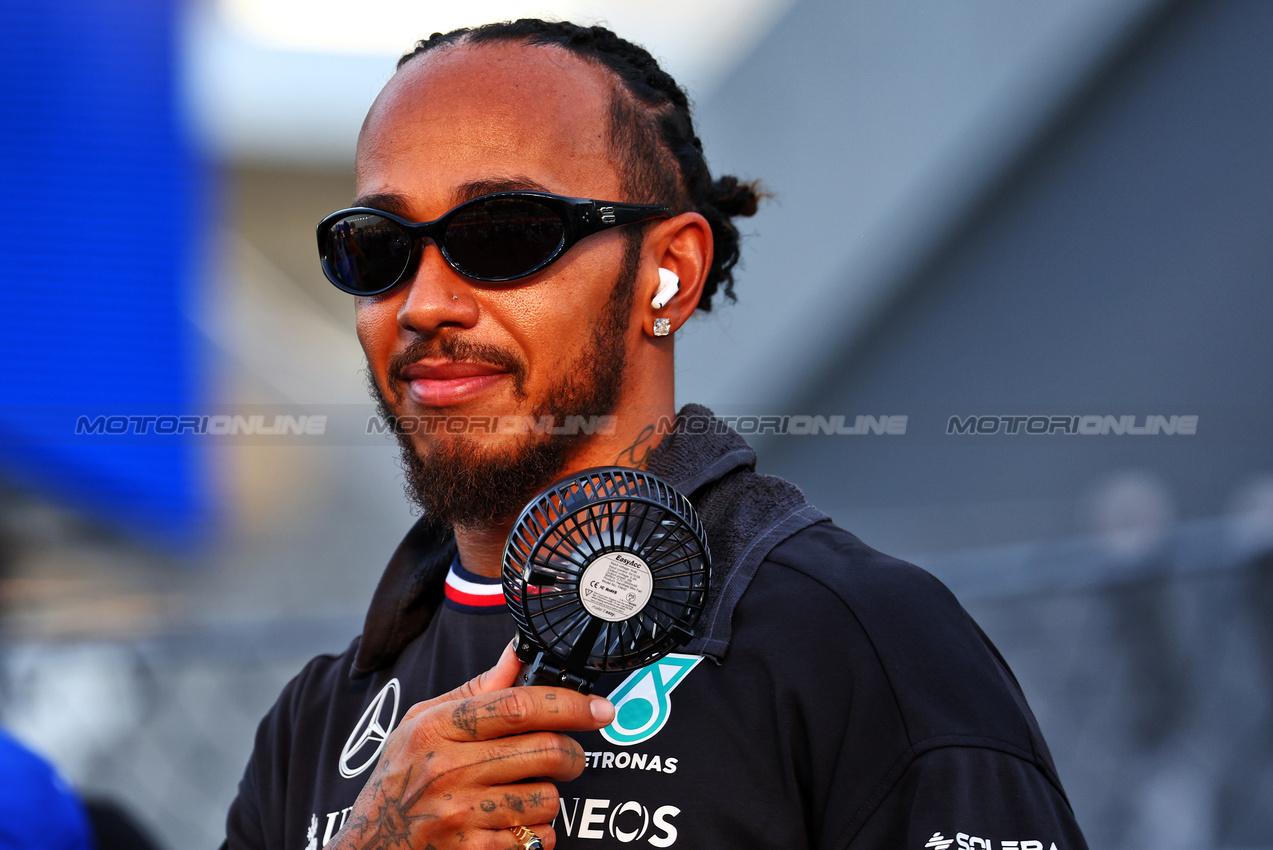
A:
436	384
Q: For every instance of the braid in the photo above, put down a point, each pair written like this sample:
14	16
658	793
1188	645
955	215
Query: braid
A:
650	127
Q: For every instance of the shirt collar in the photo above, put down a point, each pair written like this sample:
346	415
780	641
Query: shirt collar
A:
699	451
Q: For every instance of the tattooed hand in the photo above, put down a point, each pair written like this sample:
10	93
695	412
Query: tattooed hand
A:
455	771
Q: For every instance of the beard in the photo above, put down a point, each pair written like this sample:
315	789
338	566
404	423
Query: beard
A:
459	482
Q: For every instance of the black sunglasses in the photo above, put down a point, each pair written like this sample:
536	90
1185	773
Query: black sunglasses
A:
493	238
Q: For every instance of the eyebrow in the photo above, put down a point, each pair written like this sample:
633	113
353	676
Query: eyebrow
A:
386	201
400	205
469	191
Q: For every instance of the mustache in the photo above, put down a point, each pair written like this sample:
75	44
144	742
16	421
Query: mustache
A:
457	350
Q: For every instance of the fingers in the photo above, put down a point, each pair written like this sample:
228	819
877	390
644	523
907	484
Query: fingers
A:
505	713
502	675
457	767
521	803
544	831
546	755
505	839
467	769
490	707
517	710
486	821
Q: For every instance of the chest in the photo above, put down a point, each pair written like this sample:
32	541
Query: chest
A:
699	756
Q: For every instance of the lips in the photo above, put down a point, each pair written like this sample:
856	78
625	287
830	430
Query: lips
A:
435	383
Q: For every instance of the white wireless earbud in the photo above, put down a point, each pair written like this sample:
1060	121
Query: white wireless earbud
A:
669	284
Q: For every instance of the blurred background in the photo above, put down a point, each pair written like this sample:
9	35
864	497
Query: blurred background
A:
985	212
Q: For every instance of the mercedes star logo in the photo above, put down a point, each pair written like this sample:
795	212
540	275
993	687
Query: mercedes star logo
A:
368	737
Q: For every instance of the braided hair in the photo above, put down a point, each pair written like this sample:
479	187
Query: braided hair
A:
651	129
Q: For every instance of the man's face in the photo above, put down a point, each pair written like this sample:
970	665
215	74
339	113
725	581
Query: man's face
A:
450	126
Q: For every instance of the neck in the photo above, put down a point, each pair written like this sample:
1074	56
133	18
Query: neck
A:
635	437
482	548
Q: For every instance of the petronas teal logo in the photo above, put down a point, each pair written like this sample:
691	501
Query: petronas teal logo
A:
642	703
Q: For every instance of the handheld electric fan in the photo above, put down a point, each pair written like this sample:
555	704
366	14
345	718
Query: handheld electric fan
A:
604	572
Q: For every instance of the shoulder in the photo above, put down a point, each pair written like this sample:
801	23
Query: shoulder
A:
288	743
850	569
925	703
320	678
944	677
302	710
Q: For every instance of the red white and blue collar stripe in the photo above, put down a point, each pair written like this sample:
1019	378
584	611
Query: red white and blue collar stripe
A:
466	591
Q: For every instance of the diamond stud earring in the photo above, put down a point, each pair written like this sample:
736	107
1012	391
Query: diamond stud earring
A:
662	327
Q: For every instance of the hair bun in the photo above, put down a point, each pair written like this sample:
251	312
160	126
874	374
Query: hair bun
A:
735	197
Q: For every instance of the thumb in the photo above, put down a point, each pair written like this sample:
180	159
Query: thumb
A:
502	675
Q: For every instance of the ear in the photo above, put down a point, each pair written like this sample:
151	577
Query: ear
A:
683	246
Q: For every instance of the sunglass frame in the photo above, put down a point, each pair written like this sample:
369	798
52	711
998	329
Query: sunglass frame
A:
580	217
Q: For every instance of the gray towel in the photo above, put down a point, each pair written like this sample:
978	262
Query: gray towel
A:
745	514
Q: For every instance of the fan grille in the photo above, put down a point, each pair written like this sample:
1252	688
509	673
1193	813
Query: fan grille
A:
598	613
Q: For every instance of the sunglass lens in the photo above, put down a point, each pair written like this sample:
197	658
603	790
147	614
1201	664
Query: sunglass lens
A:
365	252
503	238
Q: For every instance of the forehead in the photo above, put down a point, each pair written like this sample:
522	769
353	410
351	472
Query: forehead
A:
507	113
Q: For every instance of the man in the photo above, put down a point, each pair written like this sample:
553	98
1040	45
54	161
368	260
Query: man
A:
831	697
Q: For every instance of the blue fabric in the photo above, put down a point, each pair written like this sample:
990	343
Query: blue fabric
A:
37	809
99	208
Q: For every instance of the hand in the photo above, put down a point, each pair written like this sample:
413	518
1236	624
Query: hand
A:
462	768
